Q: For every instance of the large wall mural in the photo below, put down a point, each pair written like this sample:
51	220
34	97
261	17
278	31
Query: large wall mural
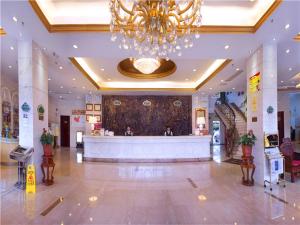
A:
147	115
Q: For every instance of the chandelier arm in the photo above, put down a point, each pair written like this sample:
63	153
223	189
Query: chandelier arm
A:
186	8
124	8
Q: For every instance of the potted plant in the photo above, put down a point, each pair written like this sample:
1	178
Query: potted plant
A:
47	140
247	141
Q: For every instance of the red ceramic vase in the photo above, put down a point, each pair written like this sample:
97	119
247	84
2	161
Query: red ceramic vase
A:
47	150
247	150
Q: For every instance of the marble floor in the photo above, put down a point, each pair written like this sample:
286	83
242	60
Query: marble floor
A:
132	193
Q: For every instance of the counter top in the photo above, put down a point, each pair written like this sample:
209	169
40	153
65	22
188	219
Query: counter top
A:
146	139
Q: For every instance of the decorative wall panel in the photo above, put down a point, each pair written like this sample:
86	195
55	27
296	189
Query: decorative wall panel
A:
147	115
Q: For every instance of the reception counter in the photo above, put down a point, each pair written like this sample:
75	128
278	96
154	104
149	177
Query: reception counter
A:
147	148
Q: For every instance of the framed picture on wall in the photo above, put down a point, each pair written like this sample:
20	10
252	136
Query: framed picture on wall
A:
87	117
99	118
89	107
97	107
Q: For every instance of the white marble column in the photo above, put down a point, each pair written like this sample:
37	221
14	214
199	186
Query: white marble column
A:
33	89
263	61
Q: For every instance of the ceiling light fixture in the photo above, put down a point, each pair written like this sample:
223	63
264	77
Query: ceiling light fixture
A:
74	78
75	46
15	19
12	48
61	86
102	69
60	67
186	79
237	69
194	70
49	78
156	28
290	69
146	65
226	47
287	26
287	51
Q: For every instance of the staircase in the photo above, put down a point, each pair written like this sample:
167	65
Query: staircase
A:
236	125
241	127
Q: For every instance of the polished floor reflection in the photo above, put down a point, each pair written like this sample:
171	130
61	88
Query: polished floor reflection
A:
182	193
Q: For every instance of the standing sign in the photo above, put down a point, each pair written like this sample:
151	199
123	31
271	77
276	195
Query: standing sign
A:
30	179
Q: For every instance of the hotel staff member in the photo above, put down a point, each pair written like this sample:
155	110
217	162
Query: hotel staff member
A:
128	132
168	132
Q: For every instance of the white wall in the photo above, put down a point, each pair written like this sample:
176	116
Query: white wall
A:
61	107
284	105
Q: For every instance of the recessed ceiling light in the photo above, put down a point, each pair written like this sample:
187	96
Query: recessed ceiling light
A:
49	78
61	86
44	49
210	88
74	78
83	87
12	48
60	96
60	67
222	81
194	70
75	46
102	69
15	19
290	69
226	47
281	81
237	69
9	66
274	39
287	51
233	88
90	92
287	26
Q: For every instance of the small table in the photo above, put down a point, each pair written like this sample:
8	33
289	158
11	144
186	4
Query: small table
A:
49	165
247	166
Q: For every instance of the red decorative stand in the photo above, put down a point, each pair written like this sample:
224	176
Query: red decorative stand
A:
49	165
247	167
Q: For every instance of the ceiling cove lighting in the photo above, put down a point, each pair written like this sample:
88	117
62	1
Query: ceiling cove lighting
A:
146	65
155	28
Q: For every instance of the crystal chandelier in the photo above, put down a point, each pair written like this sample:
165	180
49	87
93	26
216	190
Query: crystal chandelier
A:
155	28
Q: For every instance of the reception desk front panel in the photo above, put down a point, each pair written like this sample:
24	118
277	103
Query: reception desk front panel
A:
147	148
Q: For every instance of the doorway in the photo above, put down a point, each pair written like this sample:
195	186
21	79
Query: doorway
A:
216	133
65	131
280	126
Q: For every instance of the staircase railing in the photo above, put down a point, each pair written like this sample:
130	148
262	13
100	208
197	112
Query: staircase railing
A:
239	111
230	134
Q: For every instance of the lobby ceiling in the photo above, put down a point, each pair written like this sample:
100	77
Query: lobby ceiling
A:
100	53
